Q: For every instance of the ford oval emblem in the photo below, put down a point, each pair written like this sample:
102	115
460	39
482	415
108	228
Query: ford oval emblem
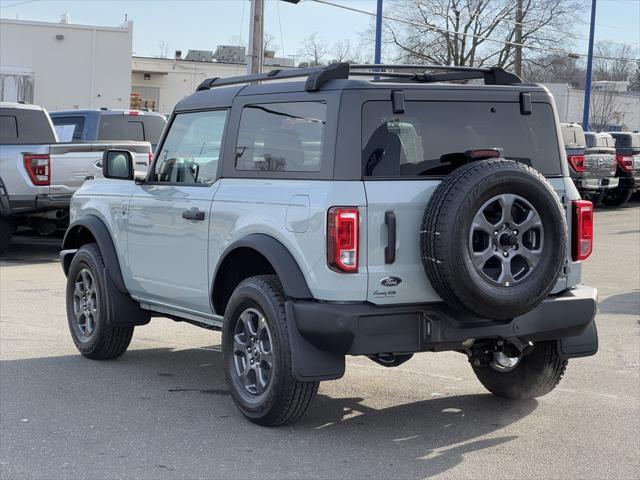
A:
390	281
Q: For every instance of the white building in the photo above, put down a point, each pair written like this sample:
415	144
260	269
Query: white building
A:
63	65
622	109
166	81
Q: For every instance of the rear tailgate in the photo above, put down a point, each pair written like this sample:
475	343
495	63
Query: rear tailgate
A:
396	148
73	163
599	163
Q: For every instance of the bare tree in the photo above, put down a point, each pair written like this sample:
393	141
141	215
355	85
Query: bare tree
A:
342	51
607	108
616	65
269	44
456	32
635	80
313	51
554	68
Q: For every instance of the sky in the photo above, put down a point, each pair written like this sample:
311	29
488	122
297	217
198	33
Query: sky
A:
203	24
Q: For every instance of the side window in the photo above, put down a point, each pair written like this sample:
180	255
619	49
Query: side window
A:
8	128
191	148
281	137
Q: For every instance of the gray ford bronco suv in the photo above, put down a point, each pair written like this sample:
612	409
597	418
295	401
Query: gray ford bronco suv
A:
365	210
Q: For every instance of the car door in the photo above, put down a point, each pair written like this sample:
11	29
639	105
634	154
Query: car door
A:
169	215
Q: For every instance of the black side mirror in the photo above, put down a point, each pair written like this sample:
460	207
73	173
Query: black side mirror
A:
117	164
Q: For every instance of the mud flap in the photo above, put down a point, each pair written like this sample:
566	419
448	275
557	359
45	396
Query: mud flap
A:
122	310
583	345
308	362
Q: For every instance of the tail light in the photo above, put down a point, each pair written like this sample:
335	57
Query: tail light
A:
576	162
38	168
582	229
342	239
625	162
150	158
133	113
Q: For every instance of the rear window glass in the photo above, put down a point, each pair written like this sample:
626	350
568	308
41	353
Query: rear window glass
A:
281	137
153	127
627	139
120	127
8	127
425	138
69	129
32	127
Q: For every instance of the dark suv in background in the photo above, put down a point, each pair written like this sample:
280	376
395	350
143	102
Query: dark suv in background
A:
104	124
627	147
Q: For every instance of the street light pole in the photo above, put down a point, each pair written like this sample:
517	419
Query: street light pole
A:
587	86
255	55
378	46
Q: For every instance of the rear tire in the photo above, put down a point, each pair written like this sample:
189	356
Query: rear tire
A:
616	197
257	355
6	231
537	374
87	298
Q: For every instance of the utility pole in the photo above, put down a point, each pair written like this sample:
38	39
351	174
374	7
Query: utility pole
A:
518	40
378	47
587	86
255	55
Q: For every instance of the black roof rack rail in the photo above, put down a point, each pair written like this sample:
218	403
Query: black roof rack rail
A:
491	75
316	77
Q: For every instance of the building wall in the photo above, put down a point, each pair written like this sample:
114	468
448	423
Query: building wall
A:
175	79
89	67
625	107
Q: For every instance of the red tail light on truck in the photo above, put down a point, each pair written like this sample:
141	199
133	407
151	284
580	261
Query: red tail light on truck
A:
576	162
625	162
582	229
342	239
38	168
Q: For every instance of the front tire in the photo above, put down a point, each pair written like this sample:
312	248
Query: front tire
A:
537	374
257	355
87	298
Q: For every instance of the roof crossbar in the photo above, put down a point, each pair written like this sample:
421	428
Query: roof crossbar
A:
316	77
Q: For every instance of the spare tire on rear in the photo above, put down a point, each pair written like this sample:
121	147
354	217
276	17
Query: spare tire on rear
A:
493	239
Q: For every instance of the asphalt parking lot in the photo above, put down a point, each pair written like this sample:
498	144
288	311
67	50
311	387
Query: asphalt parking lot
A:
163	410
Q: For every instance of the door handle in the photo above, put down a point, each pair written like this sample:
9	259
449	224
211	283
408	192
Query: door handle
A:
193	214
390	249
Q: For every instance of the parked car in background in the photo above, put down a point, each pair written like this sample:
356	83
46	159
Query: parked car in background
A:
592	164
38	174
627	147
107	124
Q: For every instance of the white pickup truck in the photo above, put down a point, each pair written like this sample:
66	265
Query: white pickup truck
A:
38	174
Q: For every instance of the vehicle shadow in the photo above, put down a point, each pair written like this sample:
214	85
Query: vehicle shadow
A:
150	413
32	249
621	304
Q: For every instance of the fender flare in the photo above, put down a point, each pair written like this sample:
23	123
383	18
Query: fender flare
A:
101	233
285	266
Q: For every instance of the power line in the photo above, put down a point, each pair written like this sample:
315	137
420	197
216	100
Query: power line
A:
17	4
488	39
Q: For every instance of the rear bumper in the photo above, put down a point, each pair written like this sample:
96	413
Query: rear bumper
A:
365	329
19	205
597	183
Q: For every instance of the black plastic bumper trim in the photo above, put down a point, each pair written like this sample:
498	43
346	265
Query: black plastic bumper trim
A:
363	328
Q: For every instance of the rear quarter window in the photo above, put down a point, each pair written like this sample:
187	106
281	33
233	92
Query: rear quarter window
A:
8	128
420	141
281	137
25	126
